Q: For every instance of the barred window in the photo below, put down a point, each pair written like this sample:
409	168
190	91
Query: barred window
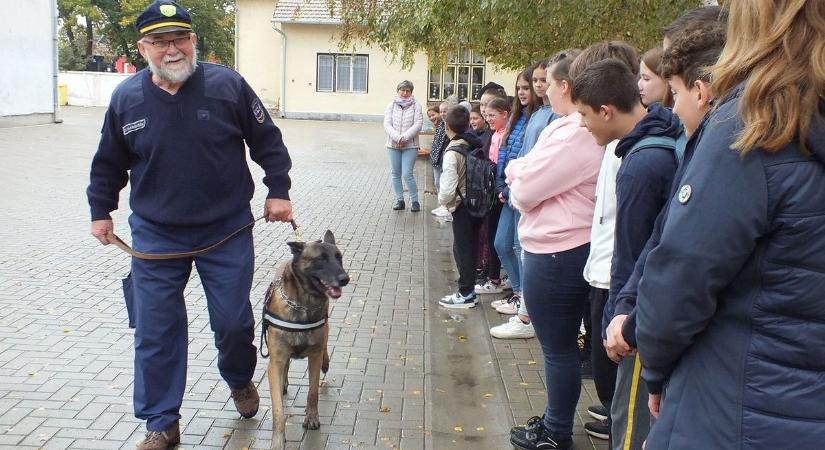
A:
342	73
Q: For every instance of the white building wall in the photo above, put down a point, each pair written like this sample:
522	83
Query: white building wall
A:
27	84
91	88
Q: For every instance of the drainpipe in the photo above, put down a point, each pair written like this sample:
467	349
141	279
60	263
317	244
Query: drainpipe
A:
55	43
237	36
282	106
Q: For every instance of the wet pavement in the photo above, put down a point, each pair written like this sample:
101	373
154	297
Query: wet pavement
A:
404	372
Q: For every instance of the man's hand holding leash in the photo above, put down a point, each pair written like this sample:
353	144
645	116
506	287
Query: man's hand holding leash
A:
278	210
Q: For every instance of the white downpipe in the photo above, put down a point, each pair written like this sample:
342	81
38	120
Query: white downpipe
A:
282	108
55	45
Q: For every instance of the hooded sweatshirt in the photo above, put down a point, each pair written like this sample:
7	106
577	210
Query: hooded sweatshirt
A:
642	189
554	187
597	269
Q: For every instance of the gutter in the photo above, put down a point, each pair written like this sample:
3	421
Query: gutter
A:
55	68
282	105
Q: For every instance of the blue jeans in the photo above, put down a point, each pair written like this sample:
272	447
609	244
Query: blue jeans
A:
158	311
402	163
555	292
508	246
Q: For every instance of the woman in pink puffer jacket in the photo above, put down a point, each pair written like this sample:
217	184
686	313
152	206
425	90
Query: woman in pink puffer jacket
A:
402	123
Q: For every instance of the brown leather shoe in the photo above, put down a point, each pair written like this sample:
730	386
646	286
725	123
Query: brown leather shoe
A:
161	440
246	400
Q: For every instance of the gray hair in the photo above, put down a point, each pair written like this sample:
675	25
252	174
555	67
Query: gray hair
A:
466	105
406	84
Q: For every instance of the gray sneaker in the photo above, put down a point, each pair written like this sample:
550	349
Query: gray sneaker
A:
458	301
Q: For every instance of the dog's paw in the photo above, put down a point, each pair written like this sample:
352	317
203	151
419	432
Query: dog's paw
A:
285	389
325	365
311	422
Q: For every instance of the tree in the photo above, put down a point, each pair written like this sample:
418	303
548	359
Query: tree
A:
512	33
114	22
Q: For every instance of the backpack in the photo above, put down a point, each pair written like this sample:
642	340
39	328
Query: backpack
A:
480	181
677	145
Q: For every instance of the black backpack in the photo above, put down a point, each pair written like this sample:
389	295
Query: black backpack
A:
481	181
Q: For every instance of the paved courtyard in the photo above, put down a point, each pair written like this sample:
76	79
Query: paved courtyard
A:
404	373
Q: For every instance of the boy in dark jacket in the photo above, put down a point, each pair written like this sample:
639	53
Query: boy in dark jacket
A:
607	97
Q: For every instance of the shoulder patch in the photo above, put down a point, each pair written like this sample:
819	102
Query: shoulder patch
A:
258	111
134	126
684	193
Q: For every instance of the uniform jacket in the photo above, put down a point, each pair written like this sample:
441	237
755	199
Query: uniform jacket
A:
403	123
184	155
731	307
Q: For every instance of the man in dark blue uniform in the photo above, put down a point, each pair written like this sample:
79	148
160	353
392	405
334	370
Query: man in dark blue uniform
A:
177	132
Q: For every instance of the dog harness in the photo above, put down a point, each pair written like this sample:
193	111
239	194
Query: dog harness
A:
271	319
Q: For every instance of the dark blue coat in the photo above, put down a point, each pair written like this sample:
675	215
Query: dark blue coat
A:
731	307
642	189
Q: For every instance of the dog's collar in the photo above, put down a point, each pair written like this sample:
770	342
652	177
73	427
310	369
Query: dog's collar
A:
289	302
285	325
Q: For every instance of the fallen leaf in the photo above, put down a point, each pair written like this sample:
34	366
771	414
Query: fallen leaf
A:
227	434
458	429
488	395
479	429
524	384
384	409
462	338
532	363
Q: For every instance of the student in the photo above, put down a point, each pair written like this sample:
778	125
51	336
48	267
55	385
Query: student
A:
742	255
477	121
606	97
652	86
520	110
465	226
597	269
553	188
707	15
440	142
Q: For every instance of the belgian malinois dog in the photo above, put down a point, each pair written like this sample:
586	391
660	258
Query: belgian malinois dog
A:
295	323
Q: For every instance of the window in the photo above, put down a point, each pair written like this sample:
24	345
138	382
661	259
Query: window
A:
463	75
342	73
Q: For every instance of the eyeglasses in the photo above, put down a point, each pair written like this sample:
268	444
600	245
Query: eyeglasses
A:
163	44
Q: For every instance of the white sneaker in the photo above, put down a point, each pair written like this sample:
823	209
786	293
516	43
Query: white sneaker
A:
513	329
447	218
458	301
511	306
440	211
489	288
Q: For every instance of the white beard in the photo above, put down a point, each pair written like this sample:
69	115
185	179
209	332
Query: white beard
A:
177	75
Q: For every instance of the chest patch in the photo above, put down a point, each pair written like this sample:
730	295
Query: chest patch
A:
684	193
203	114
134	126
258	111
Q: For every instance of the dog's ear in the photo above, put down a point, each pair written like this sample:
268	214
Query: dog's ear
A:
329	238
296	247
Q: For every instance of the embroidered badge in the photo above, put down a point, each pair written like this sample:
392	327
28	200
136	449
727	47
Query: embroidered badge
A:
258	111
168	10
684	193
134	126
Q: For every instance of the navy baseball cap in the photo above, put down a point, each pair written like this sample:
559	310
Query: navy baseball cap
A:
163	16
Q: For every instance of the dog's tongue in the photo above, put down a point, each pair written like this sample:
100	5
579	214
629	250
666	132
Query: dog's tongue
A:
334	292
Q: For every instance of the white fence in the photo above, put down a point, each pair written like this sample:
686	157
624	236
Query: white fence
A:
90	88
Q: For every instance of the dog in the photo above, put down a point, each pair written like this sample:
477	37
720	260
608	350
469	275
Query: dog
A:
295	323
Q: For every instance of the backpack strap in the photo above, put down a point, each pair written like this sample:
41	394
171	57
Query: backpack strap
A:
676	145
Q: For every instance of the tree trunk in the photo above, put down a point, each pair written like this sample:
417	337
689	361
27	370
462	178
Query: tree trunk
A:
90	39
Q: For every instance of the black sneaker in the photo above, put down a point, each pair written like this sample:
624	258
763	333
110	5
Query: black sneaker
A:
538	439
415	207
598	429
598	412
399	205
533	424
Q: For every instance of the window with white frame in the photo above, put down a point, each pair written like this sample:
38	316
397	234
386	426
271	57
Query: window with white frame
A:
463	75
342	73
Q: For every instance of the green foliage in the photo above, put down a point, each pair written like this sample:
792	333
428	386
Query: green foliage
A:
114	22
512	33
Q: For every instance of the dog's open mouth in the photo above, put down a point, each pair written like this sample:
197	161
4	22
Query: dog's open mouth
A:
332	291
